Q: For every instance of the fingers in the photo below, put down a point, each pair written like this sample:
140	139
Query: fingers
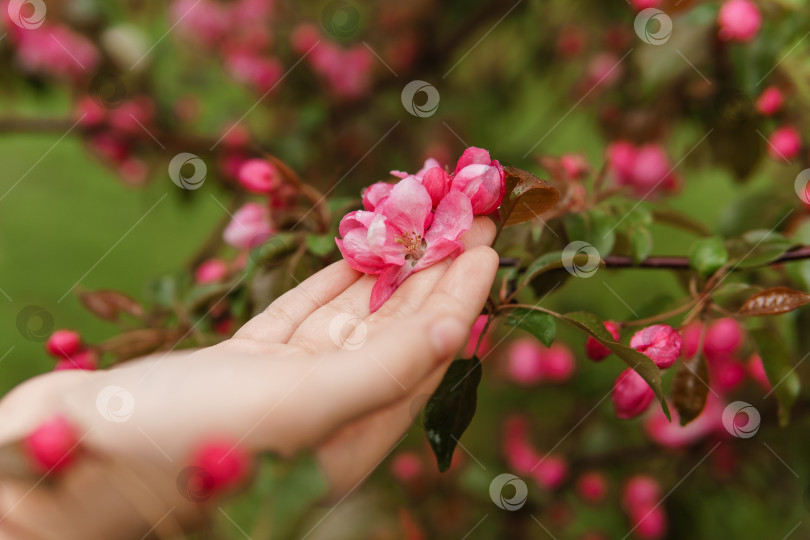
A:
402	354
317	331
411	294
278	322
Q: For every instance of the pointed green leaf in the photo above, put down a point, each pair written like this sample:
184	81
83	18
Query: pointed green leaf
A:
593	326
778	368
708	255
451	408
540	325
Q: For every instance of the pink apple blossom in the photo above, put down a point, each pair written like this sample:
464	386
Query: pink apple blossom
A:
739	20
631	394
403	236
525	361
723	337
550	471
375	194
660	342
249	227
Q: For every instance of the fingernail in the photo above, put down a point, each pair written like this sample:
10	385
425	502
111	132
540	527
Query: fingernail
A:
447	335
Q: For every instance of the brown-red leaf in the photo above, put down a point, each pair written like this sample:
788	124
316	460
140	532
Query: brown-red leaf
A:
773	302
690	388
108	305
526	197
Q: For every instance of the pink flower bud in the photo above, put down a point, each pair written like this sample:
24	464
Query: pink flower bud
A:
592	487
525	362
725	373
86	360
375	194
481	179
258	176
304	37
621	156
784	144
723	337
595	350
51	447
690	339
226	464
631	394
473	156
406	466
770	101
475	334
650	523
757	371
437	182
89	113
638	5
651	168
575	165
660	342
63	343
520	456
211	271
250	226
739	20
550	471
640	491
558	363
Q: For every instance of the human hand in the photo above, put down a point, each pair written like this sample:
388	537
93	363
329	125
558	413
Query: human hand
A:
281	384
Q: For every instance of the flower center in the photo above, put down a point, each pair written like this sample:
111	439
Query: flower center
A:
412	244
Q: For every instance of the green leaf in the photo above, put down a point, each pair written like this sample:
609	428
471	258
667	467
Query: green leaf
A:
540	325
320	245
591	325
641	243
708	255
451	408
552	261
594	227
778	368
758	248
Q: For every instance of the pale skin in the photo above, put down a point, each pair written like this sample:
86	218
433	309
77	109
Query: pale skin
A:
281	384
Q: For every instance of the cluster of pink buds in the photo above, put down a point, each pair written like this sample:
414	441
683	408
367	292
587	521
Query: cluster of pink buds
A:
346	71
722	341
52	49
631	394
239	31
116	132
66	346
529	362
52	446
548	470
646	169
408	226
641	500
